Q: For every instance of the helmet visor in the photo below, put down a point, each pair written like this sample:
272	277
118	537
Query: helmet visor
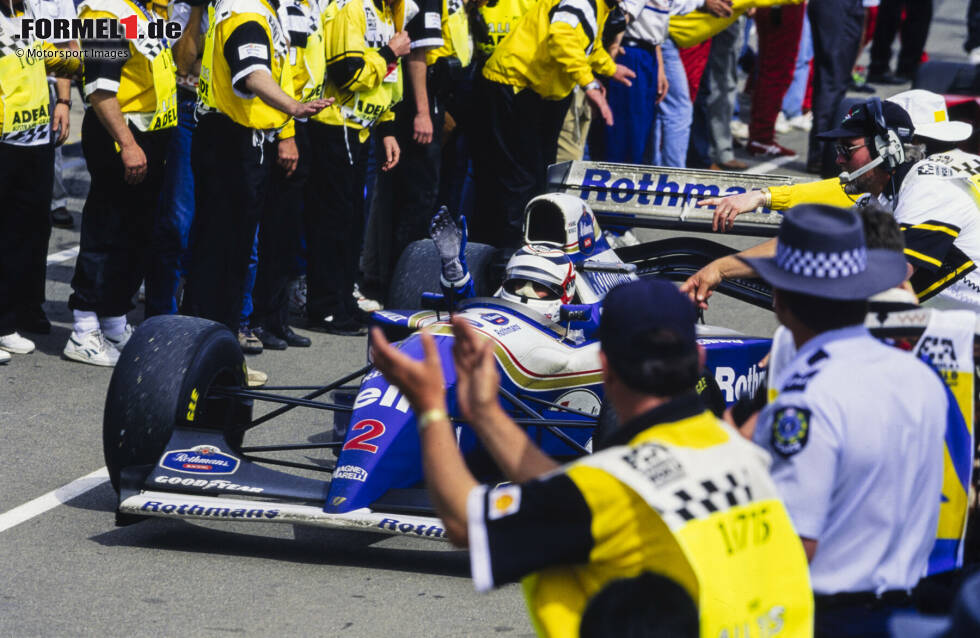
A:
531	289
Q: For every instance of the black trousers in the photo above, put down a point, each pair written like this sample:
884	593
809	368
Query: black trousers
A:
334	219
281	237
516	138
405	197
414	182
117	221
26	176
855	621
972	26
836	27
915	30
232	180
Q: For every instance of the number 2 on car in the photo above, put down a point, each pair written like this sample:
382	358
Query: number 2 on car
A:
359	442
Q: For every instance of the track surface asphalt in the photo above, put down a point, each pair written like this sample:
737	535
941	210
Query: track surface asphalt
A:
68	571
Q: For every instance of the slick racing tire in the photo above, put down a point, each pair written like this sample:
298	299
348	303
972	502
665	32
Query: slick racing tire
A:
419	267
604	426
162	381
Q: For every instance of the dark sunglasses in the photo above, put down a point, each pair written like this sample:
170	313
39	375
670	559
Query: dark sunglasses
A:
847	151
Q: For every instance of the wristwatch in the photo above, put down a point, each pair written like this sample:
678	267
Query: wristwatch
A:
593	85
62	100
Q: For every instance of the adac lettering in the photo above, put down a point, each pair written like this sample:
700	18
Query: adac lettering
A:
215	484
193	509
659	190
419	529
734	385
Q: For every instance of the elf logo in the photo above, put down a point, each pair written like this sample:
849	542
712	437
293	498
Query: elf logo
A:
390	397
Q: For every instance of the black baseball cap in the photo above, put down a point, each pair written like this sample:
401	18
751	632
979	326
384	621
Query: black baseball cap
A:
637	308
859	122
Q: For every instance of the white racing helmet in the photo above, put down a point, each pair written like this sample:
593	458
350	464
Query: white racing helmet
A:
540	277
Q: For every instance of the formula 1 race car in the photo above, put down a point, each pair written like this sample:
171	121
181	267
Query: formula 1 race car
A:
178	411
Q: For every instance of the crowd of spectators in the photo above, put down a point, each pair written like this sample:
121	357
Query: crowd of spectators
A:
230	199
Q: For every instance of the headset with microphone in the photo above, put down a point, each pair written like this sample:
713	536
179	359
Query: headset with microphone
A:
887	144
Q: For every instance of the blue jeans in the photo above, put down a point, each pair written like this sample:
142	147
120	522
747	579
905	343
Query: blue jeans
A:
253	267
672	128
634	108
793	100
175	212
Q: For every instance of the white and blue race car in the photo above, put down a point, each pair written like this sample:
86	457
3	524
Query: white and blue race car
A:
177	410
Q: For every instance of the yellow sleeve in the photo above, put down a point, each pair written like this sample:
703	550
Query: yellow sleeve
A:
567	44
350	65
61	66
287	131
601	62
827	191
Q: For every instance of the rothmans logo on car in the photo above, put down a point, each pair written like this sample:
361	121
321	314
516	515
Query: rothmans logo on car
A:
200	459
495	318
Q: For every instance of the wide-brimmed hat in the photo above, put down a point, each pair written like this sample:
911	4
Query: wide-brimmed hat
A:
859	122
930	117
822	253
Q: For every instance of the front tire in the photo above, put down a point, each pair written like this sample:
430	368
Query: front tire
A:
162	381
419	267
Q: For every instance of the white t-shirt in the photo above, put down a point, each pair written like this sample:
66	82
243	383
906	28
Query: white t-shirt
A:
650	17
856	436
54	9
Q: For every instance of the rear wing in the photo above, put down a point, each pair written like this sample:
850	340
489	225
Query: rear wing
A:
661	197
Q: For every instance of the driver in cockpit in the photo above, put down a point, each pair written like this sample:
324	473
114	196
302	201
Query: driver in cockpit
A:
538	275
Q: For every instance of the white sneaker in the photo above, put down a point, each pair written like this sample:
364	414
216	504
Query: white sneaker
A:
120	340
975	55
16	344
802	122
782	124
740	130
255	378
91	348
4	356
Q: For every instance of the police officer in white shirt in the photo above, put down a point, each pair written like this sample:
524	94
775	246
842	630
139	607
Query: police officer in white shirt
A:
856	433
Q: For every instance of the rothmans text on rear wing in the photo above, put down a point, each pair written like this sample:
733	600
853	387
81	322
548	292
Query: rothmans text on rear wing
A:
662	197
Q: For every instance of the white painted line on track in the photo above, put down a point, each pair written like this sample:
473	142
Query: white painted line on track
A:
62	255
53	499
767	167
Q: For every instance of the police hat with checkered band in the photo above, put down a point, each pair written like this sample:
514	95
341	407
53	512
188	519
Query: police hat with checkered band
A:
822	253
